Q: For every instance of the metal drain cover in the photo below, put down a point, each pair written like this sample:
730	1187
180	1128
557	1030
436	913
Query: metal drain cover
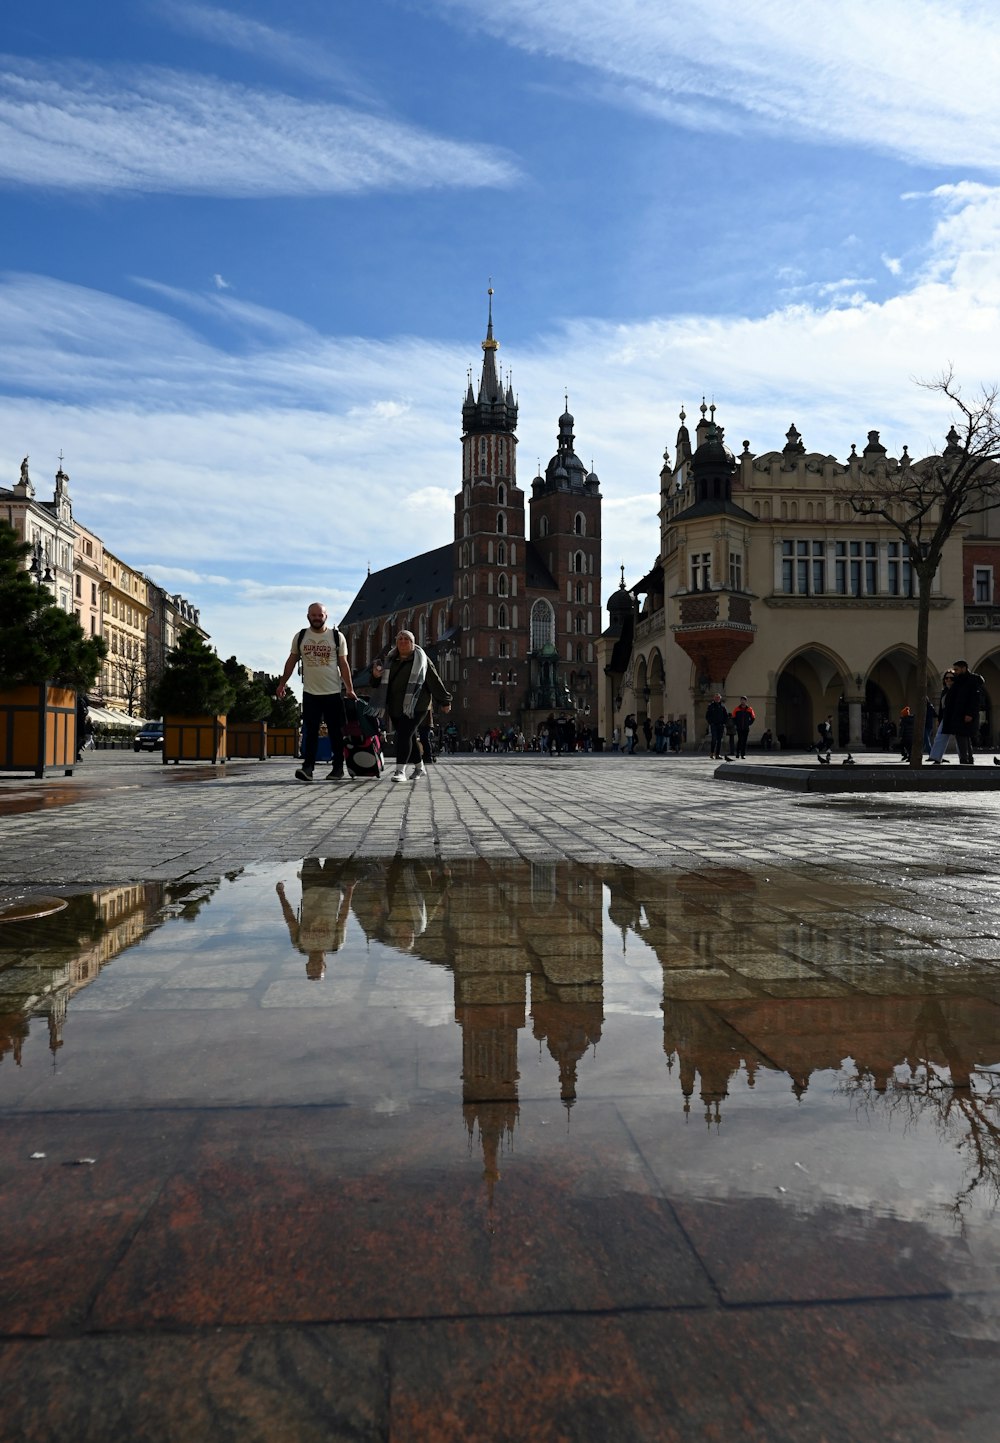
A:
25	909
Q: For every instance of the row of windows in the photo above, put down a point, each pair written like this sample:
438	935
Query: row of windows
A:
469	553
846	568
121	610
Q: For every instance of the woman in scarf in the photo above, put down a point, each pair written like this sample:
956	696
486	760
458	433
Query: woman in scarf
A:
412	683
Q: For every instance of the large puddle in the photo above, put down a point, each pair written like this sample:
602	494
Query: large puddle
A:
816	1047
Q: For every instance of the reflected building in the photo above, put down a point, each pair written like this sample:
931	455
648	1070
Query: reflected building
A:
45	962
795	980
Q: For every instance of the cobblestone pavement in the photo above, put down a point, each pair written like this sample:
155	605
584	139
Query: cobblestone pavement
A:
129	818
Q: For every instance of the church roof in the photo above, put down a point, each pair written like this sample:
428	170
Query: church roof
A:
428	577
711	507
537	577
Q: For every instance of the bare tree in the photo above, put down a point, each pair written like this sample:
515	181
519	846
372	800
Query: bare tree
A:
131	676
925	501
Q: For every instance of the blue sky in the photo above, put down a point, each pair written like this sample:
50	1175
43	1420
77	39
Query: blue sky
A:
245	256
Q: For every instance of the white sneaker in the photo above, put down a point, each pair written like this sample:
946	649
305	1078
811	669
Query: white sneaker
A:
399	775
419	771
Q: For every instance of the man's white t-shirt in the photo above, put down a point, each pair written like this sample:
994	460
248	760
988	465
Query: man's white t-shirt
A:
320	672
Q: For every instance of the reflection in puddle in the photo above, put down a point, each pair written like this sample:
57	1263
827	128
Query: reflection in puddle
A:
834	1043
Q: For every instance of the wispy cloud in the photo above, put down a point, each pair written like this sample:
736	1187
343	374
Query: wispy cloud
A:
252	37
86	128
242	462
915	78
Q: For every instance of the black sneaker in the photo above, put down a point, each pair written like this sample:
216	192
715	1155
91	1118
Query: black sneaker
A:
336	776
303	775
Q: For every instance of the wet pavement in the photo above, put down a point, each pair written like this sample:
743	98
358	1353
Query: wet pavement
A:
545	1100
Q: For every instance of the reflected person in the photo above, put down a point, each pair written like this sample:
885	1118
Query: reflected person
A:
320	925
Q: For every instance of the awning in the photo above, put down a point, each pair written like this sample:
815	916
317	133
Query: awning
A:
103	716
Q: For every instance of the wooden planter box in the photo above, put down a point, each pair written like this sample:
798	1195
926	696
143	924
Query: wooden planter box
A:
38	729
247	739
282	742
194	739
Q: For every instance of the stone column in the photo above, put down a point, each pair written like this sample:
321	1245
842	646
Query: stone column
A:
854	723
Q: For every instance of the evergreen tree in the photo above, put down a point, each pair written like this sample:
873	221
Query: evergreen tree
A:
39	642
286	711
194	682
252	702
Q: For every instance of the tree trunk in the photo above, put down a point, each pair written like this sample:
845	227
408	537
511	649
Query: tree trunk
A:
925	575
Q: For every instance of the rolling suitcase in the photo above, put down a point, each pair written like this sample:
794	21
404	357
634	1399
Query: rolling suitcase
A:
362	743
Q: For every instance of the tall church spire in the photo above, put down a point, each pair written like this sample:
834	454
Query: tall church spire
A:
493	409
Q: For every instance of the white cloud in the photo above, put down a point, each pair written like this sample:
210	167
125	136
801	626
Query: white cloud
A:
893	265
85	128
252	37
220	283
915	78
265	476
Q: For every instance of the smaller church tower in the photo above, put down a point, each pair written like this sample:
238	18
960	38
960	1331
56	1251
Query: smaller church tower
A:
566	534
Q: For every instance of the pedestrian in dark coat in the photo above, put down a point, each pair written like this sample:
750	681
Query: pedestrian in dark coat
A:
966	699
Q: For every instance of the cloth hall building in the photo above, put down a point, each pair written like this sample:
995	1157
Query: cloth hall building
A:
767	583
510	608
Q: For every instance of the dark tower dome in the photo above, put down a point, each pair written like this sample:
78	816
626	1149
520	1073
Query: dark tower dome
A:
712	467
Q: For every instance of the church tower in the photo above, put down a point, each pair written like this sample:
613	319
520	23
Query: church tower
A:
489	545
566	534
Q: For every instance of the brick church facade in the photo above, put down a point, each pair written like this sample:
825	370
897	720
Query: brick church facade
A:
510	609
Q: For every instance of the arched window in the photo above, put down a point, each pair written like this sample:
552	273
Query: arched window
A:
513	554
465	617
501	585
543	625
466	525
501	495
502	618
466	554
501	554
579	561
580	524
501	524
466	496
543	526
489	552
465	586
578	624
422	631
579	591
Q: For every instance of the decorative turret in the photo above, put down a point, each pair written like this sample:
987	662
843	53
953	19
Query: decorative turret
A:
952	447
793	443
683	442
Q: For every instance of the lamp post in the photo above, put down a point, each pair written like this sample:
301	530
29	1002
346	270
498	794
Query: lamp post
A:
35	571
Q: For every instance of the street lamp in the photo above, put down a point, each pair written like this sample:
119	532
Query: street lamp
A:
35	569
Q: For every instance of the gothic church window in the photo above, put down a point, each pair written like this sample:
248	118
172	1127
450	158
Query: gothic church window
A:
501	525
543	625
501	495
502	618
543	526
501	585
580	524
501	554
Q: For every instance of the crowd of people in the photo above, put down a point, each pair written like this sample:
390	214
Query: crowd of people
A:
407	691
